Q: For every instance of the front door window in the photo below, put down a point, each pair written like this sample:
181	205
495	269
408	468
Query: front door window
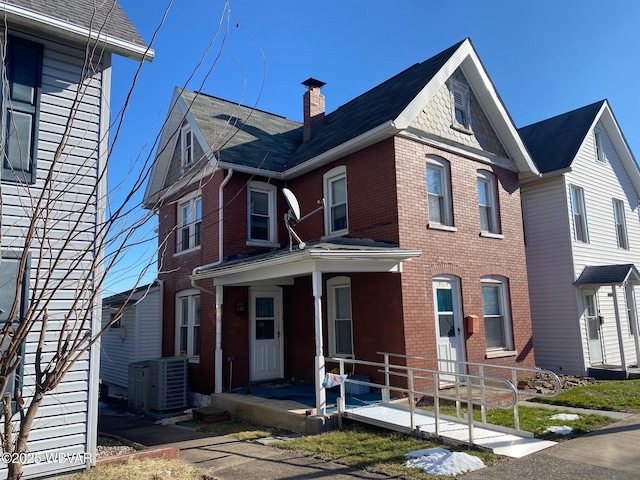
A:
593	327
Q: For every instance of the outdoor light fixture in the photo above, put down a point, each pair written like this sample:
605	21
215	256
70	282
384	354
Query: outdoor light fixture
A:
240	308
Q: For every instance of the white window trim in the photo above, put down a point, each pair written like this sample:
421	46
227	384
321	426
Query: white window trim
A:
507	327
184	161
445	168
582	212
618	211
492	199
463	91
332	175
598	139
191	294
271	191
332	285
192	198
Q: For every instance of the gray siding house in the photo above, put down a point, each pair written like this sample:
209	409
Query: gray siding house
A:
583	243
49	81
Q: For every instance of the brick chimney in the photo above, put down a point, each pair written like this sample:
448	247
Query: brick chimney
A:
313	108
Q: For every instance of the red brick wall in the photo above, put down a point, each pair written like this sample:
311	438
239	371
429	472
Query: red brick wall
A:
462	253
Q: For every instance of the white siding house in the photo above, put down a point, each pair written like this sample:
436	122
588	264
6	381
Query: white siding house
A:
137	336
49	84
583	243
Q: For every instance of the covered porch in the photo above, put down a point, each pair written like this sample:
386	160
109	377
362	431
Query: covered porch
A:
608	291
265	278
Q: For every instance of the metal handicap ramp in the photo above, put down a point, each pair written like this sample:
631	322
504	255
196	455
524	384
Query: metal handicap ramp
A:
451	429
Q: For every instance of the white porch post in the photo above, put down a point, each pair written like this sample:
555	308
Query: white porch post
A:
218	352
321	397
630	297
616	308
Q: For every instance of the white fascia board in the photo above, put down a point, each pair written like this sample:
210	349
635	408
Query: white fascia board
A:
605	115
60	28
251	170
385	130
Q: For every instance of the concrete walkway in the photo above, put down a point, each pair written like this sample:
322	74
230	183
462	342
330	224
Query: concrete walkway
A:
612	453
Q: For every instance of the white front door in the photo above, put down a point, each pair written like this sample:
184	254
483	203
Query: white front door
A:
265	313
449	332
593	326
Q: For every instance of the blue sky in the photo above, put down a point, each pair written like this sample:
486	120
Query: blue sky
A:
545	58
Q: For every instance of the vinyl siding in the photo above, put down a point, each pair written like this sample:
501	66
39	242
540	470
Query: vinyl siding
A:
61	424
603	182
554	312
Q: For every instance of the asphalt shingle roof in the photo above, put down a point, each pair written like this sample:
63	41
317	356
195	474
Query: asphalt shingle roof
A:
106	16
554	143
255	138
605	274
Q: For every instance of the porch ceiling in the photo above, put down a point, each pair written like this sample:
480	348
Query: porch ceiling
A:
342	255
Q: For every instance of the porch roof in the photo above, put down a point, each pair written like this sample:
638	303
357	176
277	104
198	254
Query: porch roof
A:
608	275
337	255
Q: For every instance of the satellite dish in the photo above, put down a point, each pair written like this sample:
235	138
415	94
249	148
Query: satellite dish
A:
294	214
294	206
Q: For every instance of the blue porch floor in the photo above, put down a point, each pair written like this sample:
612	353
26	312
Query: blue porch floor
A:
304	393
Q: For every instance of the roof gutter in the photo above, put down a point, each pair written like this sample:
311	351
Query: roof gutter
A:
220	235
385	130
58	27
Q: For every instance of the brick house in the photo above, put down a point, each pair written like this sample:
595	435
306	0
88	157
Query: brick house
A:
421	227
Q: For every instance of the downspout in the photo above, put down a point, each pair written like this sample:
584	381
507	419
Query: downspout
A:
218	292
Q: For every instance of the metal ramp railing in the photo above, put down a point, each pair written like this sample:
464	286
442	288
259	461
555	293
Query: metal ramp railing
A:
472	389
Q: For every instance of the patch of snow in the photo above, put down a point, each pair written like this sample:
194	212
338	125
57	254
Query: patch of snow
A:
439	461
565	416
563	430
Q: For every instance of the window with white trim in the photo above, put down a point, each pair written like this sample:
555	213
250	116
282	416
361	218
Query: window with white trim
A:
496	313
186	146
24	78
621	224
188	324
460	102
339	316
438	192
487	204
598	140
579	215
335	195
261	201
189	224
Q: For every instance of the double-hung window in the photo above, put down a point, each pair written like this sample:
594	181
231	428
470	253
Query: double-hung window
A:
579	215
598	140
261	203
24	75
621	224
495	310
189	223
339	314
186	146
460	101
335	195
487	204
438	194
188	324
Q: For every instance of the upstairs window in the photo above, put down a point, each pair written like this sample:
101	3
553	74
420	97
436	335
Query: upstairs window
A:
261	212
189	224
487	204
598	139
579	215
24	76
621	224
186	146
339	313
335	195
438	193
460	101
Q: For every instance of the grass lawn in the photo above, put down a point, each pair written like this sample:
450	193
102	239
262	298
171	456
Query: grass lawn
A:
147	469
614	395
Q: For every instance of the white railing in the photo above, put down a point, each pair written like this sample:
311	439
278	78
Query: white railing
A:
485	387
511	372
